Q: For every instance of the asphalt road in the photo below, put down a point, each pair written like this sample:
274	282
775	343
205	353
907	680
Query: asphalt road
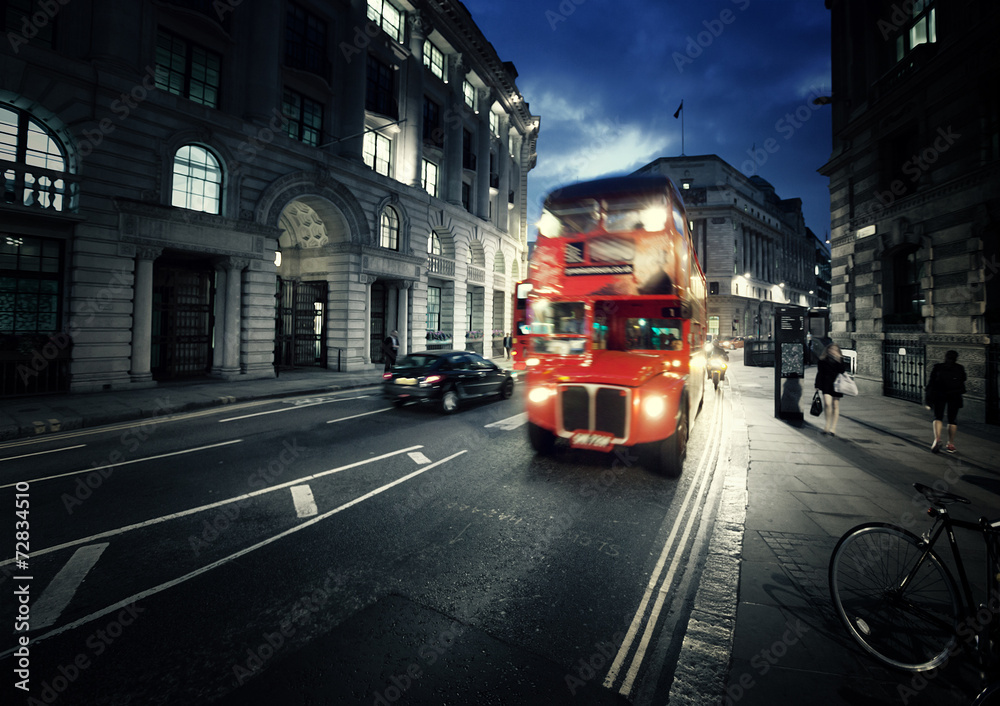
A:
337	550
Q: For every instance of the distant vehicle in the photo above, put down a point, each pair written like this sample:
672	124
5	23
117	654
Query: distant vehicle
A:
446	378
727	343
520	329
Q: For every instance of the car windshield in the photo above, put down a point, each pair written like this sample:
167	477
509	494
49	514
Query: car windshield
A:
415	361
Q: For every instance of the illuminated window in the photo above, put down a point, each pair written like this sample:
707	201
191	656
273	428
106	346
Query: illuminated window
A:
385	15
35	177
389	229
433	59
469	91
919	28
434	244
187	69
31	275
197	180
494	123
429	177
378	153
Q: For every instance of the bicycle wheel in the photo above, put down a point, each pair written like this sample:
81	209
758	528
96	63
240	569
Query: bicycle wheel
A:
911	628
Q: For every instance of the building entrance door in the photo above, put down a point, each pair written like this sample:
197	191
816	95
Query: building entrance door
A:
183	305
300	324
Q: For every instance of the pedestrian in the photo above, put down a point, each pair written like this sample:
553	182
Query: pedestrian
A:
830	365
945	388
390	349
508	343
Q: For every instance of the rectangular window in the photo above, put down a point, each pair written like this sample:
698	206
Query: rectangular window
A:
305	42
433	132
494	123
31	271
380	96
378	153
429	177
466	196
187	69
469	91
434	59
385	15
433	308
303	118
919	28
468	155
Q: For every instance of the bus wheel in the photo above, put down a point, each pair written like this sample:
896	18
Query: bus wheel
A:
668	455
542	440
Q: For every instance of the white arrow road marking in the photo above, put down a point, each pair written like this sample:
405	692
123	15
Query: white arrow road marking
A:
57	595
305	505
226	559
510	422
418	457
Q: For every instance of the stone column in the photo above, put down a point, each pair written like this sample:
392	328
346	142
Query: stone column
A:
355	67
142	315
413	140
367	281
454	125
231	325
220	316
482	207
503	167
403	315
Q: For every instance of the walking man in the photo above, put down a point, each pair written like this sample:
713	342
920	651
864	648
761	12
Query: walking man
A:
390	349
944	391
508	343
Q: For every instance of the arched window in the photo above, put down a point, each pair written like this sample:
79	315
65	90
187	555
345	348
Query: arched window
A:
35	175
197	180
434	244
389	229
498	263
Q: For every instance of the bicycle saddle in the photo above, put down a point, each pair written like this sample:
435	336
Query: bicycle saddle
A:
939	497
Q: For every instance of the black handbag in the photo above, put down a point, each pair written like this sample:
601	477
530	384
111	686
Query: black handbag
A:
817	405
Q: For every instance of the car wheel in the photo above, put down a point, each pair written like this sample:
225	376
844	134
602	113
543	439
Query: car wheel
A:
398	403
449	401
542	440
507	389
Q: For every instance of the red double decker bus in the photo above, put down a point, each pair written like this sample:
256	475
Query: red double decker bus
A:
617	319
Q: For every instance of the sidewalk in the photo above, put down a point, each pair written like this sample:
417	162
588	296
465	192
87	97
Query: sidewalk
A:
31	416
803	491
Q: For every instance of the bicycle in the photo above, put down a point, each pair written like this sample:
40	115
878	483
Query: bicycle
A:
899	600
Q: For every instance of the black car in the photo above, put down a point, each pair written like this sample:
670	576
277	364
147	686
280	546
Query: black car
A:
445	377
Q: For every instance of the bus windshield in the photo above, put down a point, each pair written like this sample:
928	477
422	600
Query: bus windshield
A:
545	317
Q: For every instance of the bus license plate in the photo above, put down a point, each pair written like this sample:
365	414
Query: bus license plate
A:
593	440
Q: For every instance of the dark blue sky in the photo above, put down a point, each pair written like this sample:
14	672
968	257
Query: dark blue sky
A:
606	77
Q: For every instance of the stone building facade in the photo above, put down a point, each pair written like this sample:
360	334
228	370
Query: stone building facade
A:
199	187
915	193
754	247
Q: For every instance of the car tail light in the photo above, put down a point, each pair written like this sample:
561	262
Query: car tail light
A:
431	379
387	376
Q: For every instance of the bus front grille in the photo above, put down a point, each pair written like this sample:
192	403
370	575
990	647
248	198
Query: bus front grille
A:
595	408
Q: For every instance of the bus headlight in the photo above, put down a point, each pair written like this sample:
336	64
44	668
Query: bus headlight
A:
541	394
654	406
532	361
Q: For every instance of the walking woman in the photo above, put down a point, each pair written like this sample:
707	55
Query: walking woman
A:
830	365
945	389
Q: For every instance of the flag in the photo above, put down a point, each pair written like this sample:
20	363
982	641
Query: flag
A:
679	109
